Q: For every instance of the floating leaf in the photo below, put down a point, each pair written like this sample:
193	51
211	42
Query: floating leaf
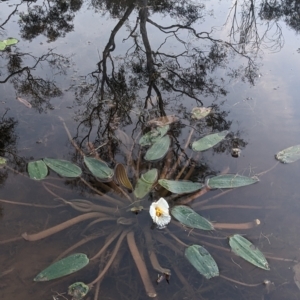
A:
24	101
159	149
98	168
2	45
63	167
203	262
3	161
37	170
153	135
228	181
10	41
209	141
187	216
289	155
121	177
200	112
78	290
245	249
179	186
161	121
150	176
63	267
145	183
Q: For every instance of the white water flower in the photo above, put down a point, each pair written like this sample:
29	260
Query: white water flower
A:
159	212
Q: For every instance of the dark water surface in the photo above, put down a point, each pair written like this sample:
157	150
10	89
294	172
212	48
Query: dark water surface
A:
105	68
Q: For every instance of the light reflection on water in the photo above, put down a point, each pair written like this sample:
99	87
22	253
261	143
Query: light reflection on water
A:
259	108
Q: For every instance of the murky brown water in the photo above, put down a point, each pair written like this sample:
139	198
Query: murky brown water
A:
94	65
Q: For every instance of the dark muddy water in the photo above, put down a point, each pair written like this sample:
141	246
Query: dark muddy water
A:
103	69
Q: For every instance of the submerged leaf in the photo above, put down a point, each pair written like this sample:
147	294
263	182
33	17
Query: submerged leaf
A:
209	141
200	112
180	186
289	155
203	262
159	149
245	249
145	183
228	181
121	176
37	170
161	121
78	290
153	135
187	216
98	168
63	167
63	267
3	161
24	101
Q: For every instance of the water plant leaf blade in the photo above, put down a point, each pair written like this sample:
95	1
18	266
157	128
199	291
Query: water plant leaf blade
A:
228	181
209	141
78	290
2	45
202	261
153	135
3	161
145	183
10	41
200	112
159	149
187	216
98	168
162	121
37	169
63	267
289	155
180	186
121	176
63	167
245	249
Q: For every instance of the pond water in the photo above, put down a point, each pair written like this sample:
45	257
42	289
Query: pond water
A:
85	79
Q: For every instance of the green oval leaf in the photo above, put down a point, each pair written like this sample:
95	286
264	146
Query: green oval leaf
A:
98	168
187	216
209	141
228	181
3	161
2	45
200	112
289	155
78	290
37	170
145	183
63	167
63	267
179	186
150	176
202	261
159	149
245	249
153	135
10	41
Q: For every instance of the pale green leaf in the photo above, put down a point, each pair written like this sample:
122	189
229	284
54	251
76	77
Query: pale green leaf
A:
2	45
78	290
145	183
289	155
10	41
209	141
150	176
98	168
159	149
228	181
245	249
63	267
179	186
203	262
153	135
188	217
200	112
3	161
63	167
37	170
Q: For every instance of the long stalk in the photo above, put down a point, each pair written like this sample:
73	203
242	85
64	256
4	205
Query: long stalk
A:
45	233
140	265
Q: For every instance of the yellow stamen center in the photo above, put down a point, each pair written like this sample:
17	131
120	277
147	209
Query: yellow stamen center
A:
158	212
